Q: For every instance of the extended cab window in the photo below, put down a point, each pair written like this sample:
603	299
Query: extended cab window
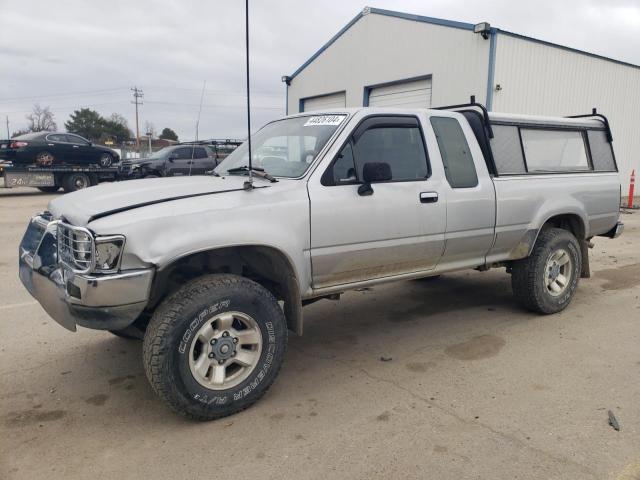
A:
454	149
396	141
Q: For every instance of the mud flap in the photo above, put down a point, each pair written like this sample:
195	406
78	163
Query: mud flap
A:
585	245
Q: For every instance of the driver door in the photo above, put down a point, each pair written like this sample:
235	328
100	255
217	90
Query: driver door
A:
82	151
179	161
397	229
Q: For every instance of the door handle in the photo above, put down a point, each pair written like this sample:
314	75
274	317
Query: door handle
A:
76	146
428	197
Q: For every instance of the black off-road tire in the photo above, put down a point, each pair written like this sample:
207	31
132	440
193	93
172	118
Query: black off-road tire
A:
172	330
49	189
76	181
528	279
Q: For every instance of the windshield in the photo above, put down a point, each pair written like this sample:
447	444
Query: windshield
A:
159	154
285	148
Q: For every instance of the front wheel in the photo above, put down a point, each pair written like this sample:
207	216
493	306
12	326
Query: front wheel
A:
546	281
76	181
215	346
106	160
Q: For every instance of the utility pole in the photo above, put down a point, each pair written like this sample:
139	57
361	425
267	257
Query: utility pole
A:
8	134
149	135
137	95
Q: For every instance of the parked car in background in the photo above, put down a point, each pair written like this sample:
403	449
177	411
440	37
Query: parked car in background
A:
223	148
47	149
172	161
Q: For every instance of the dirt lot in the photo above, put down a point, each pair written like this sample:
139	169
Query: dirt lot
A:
474	388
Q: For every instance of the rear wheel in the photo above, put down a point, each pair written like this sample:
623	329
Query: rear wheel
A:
49	189
215	346
546	281
76	181
45	159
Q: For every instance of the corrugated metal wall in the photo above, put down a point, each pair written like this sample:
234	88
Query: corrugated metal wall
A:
541	79
379	49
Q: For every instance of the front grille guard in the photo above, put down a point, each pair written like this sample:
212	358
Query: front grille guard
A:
76	248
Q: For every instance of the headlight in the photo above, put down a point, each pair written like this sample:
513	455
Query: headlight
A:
109	253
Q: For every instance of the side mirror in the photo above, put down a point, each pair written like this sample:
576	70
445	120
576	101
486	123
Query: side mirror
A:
373	172
172	157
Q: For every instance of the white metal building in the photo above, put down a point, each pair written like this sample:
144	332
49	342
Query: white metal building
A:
387	58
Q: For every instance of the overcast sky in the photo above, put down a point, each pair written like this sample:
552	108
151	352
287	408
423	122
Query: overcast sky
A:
80	53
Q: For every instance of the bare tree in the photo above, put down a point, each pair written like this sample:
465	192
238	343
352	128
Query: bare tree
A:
119	119
41	119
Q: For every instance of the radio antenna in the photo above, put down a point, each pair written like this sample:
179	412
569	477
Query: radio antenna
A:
249	184
193	147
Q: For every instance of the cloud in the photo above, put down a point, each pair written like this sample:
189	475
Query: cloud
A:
88	54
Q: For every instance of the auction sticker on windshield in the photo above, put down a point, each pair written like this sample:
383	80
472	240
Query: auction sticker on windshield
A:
324	120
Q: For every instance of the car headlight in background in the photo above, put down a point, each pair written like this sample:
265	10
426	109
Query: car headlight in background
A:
109	253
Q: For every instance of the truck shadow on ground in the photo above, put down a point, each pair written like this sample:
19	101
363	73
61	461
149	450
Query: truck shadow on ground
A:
110	376
419	307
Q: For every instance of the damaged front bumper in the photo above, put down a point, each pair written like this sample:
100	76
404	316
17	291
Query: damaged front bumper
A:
98	301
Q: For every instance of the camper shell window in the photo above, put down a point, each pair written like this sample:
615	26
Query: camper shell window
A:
520	149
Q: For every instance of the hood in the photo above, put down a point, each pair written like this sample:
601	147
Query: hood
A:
81	207
138	161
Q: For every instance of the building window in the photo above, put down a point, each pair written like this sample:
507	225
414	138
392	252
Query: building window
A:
454	149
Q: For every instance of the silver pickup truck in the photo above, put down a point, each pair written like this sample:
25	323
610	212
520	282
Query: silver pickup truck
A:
213	271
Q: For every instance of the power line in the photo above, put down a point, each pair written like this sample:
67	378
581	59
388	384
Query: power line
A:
68	107
137	94
216	92
61	95
265	107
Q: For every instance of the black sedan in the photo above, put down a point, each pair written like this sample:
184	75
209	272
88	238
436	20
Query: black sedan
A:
49	148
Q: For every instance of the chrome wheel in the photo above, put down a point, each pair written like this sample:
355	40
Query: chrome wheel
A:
80	182
225	350
558	272
105	160
44	159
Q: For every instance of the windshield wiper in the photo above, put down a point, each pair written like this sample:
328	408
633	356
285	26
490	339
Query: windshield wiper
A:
257	171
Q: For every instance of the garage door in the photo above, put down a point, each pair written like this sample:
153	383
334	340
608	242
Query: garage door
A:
412	94
324	102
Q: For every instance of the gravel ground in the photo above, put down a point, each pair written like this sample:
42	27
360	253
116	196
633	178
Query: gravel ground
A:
472	386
